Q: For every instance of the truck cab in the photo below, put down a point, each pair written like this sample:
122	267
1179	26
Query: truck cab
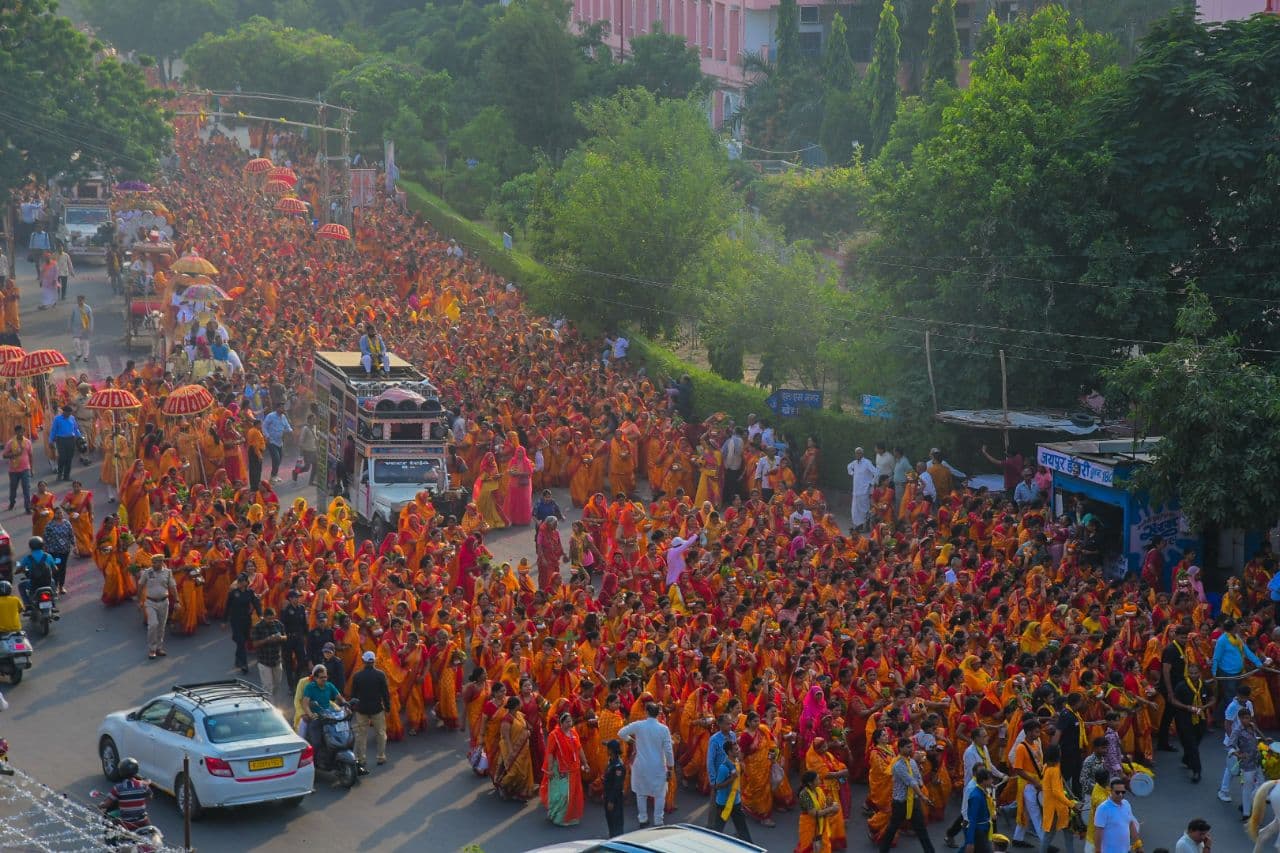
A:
384	437
84	222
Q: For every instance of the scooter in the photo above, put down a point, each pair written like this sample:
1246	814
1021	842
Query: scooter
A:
334	753
15	655
116	836
43	611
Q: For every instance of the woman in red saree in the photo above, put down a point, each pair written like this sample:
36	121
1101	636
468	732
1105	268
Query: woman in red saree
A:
561	790
518	505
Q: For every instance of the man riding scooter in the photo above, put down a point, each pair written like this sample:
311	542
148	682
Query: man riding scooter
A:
38	567
128	798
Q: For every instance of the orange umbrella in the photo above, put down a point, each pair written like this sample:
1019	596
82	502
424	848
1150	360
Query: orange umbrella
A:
8	353
277	187
291	205
9	370
113	399
334	231
187	400
258	164
194	265
40	362
282	173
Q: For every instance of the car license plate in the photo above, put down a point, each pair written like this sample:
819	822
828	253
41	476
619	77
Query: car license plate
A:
267	763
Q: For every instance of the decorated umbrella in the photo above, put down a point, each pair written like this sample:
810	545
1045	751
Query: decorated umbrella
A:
194	265
40	362
291	205
205	293
114	400
277	187
9	353
258	165
334	231
188	280
9	370
187	400
282	173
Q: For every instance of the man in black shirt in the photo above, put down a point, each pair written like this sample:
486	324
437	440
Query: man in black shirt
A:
268	640
372	699
1071	740
1193	704
242	603
333	665
1173	666
317	638
296	624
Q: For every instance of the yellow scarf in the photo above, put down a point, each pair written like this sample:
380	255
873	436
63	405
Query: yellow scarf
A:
911	792
1084	741
733	794
1195	697
819	803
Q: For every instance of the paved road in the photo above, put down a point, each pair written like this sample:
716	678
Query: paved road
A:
425	798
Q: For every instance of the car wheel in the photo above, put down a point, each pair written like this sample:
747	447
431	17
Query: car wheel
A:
109	755
180	794
293	802
16	678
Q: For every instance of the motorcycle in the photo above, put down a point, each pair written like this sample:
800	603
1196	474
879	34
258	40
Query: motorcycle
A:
15	655
117	836
43	610
334	753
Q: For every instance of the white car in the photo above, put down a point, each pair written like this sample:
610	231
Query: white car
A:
241	748
669	838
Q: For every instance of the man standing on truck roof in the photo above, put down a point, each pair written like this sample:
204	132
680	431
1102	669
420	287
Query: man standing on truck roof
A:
373	350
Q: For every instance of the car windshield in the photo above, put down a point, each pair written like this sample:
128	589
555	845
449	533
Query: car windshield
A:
245	724
414	472
87	216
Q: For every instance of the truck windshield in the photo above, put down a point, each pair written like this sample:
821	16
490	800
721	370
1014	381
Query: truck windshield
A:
415	472
92	216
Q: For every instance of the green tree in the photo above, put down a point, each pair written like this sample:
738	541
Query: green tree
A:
1218	421
914	19
65	107
631	210
380	87
942	56
263	56
534	70
163	30
821	205
665	65
788	55
846	121
882	77
985	227
838	70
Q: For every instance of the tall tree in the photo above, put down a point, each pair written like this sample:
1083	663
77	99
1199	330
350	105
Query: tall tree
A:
163	30
838	70
1218	421
67	107
665	65
788	57
914	17
882	76
533	69
379	88
942	56
632	209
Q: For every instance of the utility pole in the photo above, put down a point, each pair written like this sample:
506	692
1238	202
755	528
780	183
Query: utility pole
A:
346	214
324	163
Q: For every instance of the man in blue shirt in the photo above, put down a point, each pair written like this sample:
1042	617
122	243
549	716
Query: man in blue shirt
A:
274	426
319	695
1026	491
1229	655
716	744
65	434
977	813
727	784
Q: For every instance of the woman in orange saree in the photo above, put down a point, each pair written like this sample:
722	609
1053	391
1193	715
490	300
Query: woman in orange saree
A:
446	658
135	496
708	476
191	593
473	697
816	811
118	584
561	791
832	773
880	784
759	751
79	506
42	503
485	492
513	769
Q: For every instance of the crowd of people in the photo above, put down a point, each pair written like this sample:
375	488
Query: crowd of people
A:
949	644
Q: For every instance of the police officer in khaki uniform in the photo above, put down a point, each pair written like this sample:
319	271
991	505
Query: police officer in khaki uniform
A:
155	586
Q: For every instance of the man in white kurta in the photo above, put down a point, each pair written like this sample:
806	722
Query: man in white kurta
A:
655	760
863	472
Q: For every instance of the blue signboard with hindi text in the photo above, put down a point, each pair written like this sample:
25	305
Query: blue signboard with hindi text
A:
786	402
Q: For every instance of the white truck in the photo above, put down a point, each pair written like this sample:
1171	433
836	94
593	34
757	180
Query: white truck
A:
380	439
84	221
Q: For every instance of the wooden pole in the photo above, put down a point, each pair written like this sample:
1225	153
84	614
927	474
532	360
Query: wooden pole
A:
928	363
1004	401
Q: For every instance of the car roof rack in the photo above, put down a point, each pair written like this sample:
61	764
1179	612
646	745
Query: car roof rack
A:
204	692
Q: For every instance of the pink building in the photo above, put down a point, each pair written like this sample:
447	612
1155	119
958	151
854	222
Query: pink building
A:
721	31
1215	11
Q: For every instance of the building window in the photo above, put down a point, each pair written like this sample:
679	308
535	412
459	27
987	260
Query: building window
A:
811	44
809	15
